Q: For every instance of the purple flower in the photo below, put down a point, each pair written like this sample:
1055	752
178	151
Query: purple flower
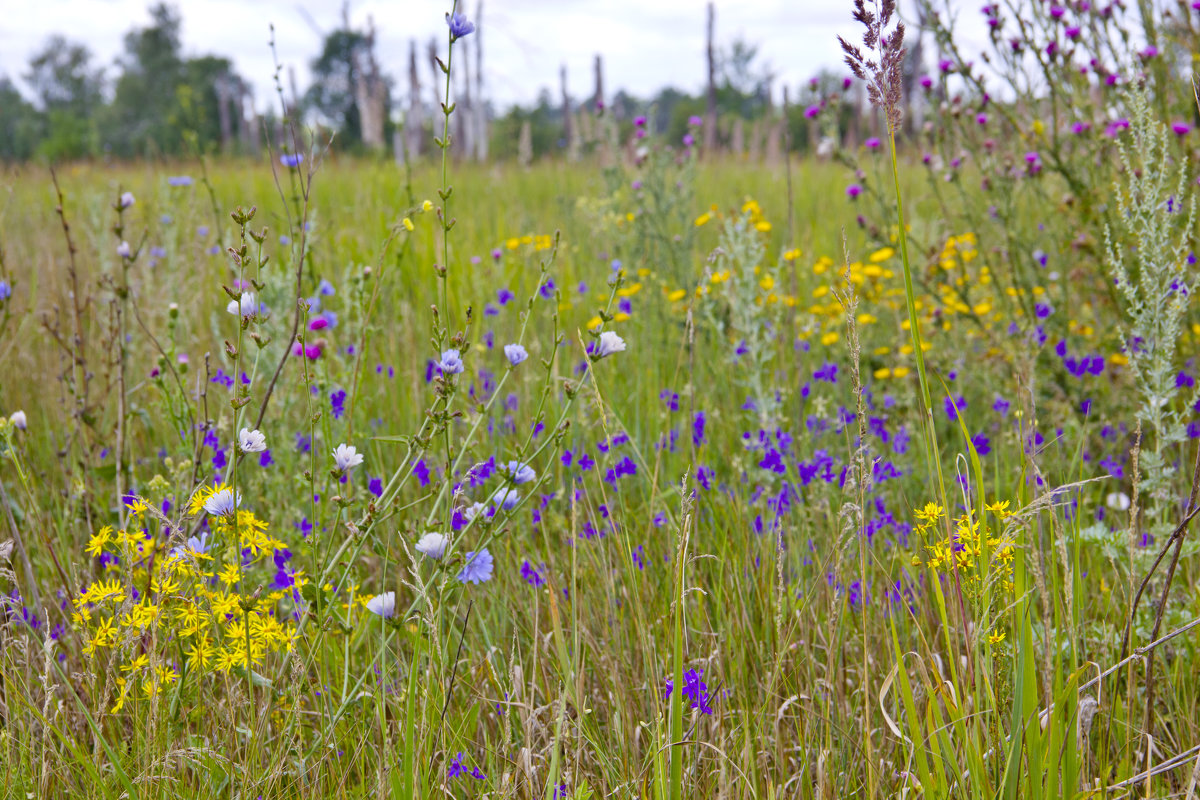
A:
872	143
530	575
1180	128
694	689
812	111
291	160
853	190
954	405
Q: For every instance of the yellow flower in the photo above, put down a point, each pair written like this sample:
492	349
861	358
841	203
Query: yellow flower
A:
932	512
763	226
100	538
830	338
122	686
229	575
882	254
882	373
200	653
767	283
996	638
703	219
136	664
408	224
427	206
677	295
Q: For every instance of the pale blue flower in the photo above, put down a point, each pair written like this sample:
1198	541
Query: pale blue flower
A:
515	353
223	503
478	568
519	473
460	26
608	344
505	497
432	545
346	457
451	363
383	605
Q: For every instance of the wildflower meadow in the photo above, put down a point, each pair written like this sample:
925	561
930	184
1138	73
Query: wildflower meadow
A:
659	471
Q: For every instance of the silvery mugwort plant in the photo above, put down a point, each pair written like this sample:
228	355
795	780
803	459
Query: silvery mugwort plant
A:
1152	263
736	306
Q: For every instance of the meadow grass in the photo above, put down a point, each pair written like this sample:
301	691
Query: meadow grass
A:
731	573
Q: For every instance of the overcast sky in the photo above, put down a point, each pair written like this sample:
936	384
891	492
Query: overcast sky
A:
646	44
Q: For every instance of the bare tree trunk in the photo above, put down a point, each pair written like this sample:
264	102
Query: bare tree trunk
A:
224	89
369	92
414	122
247	119
568	123
439	120
598	95
525	145
481	123
853	132
710	116
464	116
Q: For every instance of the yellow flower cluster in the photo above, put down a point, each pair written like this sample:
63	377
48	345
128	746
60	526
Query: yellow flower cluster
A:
541	241
221	624
973	551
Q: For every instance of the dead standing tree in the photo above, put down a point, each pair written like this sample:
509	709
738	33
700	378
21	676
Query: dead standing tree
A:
570	134
414	122
710	114
479	118
370	90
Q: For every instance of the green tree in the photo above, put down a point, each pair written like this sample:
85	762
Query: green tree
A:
68	91
139	119
331	95
20	125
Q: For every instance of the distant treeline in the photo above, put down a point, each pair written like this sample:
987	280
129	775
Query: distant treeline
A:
154	102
